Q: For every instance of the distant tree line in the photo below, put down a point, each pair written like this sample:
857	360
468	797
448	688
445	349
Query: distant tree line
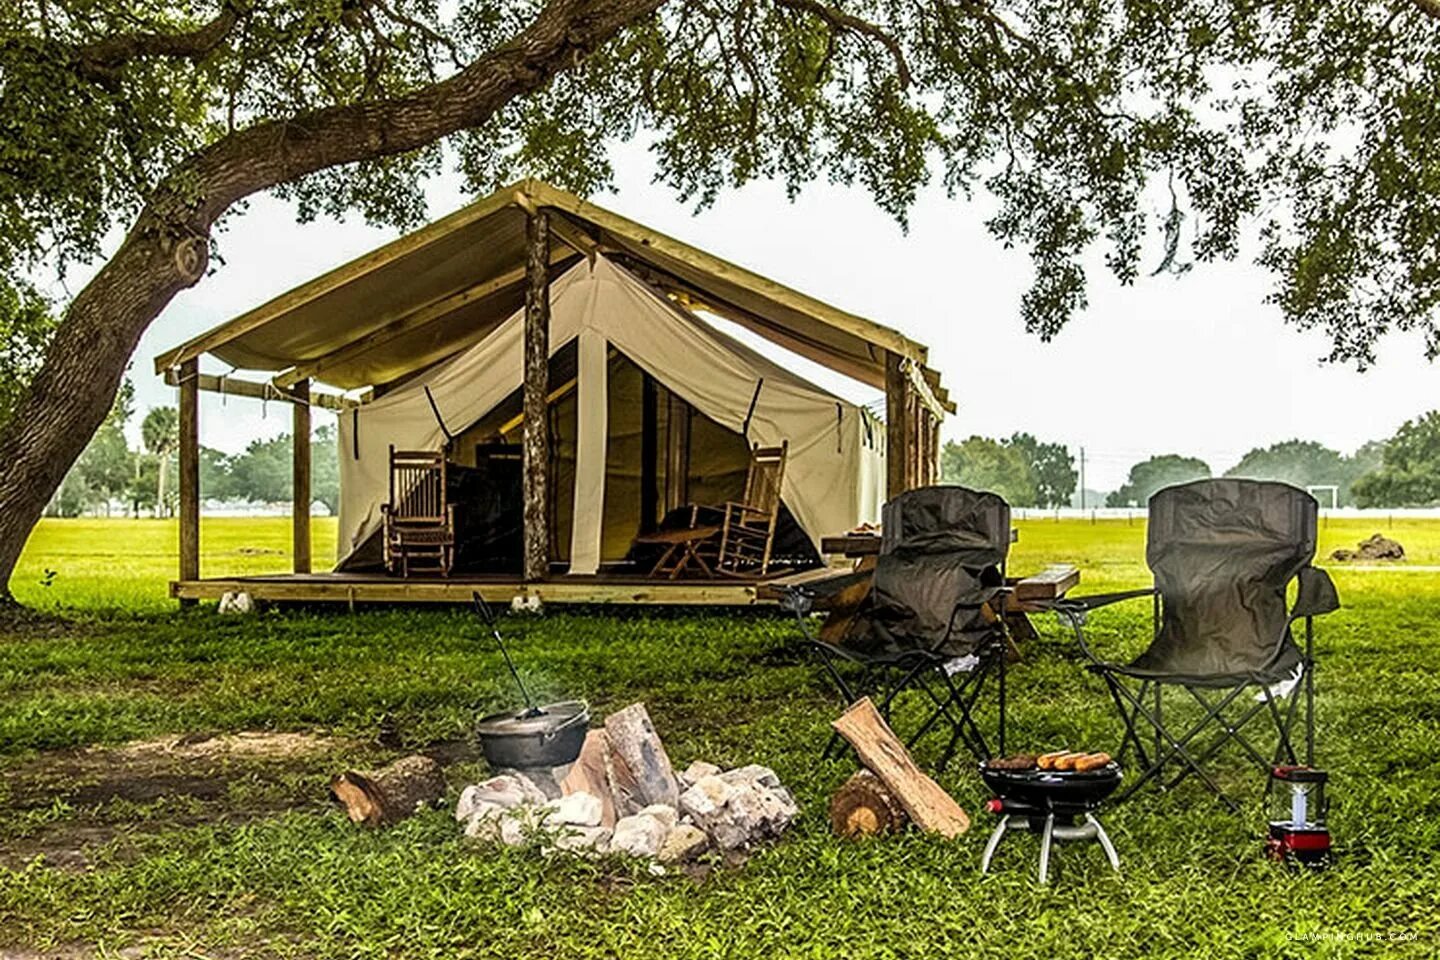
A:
1403	471
1025	471
110	476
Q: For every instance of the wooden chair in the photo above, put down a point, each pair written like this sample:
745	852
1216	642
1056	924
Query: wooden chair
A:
747	531
419	522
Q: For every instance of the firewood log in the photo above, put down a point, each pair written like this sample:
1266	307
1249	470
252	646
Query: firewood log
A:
879	749
864	806
375	797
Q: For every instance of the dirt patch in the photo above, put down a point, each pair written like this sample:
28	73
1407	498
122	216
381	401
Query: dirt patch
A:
248	744
199	765
105	794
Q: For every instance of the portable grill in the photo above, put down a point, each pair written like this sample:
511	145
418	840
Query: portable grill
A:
1057	804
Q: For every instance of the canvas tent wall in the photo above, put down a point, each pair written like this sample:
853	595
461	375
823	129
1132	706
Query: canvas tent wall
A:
834	479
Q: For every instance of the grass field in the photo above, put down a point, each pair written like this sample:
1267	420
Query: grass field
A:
106	845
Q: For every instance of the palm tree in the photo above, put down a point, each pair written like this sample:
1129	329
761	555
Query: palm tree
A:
160	431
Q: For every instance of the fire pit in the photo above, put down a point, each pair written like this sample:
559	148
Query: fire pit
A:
1057	804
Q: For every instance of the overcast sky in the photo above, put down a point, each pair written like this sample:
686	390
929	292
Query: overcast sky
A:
1195	364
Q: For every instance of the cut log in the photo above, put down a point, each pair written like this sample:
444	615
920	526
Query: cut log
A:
864	806
878	748
375	797
589	775
633	739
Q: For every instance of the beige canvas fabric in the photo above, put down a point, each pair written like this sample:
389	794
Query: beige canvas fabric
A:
834	477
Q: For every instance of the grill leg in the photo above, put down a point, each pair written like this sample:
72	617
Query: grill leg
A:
1105	843
1046	839
994	842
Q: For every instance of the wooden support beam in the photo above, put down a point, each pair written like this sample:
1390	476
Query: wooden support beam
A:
535	450
238	387
189	382
897	436
574	237
300	450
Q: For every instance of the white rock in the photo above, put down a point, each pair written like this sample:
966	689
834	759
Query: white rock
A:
508	790
526	603
706	797
663	812
696	772
685	843
740	810
640	835
514	831
237	602
484	822
583	839
753	773
579	809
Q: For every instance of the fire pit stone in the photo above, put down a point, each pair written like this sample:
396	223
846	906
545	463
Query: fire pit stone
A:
640	835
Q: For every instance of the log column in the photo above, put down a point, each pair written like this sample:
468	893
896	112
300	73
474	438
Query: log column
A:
535	459
300	440
897	431
189	470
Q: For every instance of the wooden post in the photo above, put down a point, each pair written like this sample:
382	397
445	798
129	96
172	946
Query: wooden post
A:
189	470
897	434
649	453
300	441
535	459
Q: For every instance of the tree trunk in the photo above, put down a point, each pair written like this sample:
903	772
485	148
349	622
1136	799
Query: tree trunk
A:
167	249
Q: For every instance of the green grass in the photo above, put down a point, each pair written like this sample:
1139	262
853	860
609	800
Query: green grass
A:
301	882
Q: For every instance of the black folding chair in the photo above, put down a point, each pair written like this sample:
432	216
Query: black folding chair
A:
1223	553
934	618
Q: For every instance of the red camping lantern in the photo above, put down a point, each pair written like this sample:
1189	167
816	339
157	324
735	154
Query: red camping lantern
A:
1297	805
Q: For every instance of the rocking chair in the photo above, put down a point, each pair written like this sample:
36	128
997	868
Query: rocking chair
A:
419	520
747	530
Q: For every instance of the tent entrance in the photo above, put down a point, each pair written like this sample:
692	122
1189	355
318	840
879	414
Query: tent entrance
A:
660	455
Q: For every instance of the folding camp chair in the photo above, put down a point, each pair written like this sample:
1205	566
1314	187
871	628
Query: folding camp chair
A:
934	617
1223	553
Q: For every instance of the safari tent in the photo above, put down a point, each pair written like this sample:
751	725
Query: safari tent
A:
560	356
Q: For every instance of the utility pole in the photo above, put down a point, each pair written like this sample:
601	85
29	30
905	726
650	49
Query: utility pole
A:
1082	478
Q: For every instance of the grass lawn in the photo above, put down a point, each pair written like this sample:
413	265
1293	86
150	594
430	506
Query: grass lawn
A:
106	844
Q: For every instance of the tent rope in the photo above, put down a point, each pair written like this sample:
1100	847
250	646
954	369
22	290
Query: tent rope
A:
449	437
754	399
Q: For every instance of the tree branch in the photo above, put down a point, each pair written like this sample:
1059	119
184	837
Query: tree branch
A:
840	20
278	151
103	58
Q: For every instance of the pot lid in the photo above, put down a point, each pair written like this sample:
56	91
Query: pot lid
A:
551	717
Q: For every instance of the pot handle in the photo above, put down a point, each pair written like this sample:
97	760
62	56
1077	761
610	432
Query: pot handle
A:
582	717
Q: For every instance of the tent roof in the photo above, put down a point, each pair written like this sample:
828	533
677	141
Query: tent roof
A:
435	291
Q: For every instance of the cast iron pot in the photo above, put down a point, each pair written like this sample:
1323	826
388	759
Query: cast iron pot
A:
551	738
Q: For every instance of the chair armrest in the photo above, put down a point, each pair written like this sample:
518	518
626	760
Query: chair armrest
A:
1094	601
801	598
1075	609
1316	595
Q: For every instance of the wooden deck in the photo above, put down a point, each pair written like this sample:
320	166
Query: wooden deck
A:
618	588
352	588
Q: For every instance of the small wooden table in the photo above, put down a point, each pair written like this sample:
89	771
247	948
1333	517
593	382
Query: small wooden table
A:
681	547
